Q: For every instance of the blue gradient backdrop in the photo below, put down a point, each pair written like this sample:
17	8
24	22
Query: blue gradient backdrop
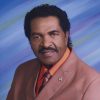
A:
84	16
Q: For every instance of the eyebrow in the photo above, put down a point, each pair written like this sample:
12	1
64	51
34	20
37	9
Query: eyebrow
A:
35	33
53	31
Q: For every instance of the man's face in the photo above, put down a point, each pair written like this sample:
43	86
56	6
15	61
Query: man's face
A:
47	39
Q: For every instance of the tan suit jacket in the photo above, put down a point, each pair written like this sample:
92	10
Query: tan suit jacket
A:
75	80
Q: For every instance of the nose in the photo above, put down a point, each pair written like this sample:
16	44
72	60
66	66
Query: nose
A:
46	41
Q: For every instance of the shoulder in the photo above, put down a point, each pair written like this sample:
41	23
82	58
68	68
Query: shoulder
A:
27	68
91	82
25	71
23	74
83	68
93	90
32	64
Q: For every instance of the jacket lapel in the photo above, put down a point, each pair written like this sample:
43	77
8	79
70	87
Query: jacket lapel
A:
30	88
68	69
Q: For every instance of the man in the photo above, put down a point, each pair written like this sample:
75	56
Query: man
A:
57	73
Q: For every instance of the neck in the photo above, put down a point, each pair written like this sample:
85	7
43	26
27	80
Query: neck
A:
48	66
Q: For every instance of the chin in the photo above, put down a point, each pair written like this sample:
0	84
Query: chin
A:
49	63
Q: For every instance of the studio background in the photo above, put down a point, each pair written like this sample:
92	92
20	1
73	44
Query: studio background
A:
84	16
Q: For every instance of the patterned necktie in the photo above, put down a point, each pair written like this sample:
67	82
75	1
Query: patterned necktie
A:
47	77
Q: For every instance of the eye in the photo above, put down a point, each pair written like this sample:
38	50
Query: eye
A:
53	34
35	37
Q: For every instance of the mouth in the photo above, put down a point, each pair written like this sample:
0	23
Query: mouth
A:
48	52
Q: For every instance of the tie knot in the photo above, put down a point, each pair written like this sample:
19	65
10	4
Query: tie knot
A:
47	77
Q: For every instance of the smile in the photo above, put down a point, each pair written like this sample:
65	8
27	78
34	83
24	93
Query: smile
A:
48	53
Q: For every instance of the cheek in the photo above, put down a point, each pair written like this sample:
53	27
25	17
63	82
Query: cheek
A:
64	41
61	42
35	47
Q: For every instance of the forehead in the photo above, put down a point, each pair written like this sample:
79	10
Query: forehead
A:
45	23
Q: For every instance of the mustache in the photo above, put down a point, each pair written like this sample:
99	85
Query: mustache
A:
43	49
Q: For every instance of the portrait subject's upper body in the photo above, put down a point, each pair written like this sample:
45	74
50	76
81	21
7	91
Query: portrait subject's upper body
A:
57	73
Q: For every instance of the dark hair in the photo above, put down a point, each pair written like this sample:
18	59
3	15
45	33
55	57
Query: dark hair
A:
46	10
